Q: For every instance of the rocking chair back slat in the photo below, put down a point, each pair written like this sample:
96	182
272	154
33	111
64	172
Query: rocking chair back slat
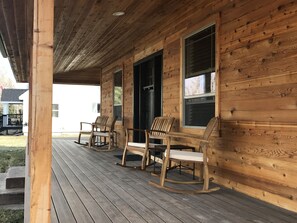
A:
161	126
210	127
101	122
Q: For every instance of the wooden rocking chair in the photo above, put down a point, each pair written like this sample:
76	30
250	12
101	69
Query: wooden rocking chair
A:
107	133
100	123
188	156
160	127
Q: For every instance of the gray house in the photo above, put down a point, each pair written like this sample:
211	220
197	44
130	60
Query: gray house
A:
11	119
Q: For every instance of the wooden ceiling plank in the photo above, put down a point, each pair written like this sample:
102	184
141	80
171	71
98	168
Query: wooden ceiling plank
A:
28	35
6	38
9	18
105	38
87	35
75	30
156	14
76	46
65	26
58	11
95	35
19	7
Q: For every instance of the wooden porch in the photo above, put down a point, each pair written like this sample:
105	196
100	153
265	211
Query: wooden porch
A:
87	186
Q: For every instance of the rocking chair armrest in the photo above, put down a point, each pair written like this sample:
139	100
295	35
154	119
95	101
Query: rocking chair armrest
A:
186	135
157	131
98	125
137	130
134	130
86	123
157	134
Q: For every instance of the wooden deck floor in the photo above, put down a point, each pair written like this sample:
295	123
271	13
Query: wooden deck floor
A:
87	186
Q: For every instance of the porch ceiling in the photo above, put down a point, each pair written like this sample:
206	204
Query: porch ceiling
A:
87	36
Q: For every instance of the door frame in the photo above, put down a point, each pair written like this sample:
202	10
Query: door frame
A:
136	118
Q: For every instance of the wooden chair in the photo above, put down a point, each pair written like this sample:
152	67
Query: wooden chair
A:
107	133
188	156
100	122
160	127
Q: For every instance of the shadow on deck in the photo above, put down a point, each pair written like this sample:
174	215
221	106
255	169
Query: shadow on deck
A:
87	186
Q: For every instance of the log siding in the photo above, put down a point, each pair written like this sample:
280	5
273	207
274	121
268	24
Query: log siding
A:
256	152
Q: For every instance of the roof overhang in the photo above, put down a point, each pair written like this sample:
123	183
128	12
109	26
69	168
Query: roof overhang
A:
87	35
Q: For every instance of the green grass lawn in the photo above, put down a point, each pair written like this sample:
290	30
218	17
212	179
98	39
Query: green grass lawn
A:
11	216
13	141
12	152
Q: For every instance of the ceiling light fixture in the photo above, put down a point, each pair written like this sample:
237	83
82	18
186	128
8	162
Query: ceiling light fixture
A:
119	13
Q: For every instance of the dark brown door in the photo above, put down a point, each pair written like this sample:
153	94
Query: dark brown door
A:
147	92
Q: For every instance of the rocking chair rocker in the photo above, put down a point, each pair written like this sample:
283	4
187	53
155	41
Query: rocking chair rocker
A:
188	156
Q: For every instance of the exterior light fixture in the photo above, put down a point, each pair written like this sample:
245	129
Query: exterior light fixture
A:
119	13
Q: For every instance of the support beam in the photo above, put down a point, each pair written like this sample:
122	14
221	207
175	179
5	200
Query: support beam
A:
88	77
40	118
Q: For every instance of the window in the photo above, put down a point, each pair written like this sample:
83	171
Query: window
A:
199	77
55	110
117	94
96	107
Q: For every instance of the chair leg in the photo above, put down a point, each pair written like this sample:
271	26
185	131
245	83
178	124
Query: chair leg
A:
148	158
124	157
143	162
110	143
205	177
91	140
163	171
78	140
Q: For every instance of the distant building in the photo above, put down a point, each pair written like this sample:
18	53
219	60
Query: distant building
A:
12	112
71	105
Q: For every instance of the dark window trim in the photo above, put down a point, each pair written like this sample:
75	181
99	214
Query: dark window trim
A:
198	73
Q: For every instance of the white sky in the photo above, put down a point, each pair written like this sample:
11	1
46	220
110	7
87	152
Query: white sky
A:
4	64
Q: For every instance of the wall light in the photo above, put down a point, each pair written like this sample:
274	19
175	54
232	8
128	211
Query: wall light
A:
119	13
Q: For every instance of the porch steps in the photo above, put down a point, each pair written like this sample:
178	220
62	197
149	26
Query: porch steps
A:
15	177
14	193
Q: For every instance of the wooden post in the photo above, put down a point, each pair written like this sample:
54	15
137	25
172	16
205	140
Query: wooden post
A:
40	110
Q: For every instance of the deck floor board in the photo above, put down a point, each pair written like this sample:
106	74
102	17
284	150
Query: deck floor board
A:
87	186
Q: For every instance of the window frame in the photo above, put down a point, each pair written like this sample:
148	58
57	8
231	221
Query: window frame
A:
55	110
197	29
122	96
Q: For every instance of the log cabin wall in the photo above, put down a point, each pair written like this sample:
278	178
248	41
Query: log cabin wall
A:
256	152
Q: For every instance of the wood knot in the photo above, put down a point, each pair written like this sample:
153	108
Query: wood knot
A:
279	8
232	111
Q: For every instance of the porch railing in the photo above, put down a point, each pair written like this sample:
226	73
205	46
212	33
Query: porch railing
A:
11	121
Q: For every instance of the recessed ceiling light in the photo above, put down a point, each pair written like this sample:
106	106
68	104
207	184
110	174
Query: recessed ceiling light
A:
119	13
